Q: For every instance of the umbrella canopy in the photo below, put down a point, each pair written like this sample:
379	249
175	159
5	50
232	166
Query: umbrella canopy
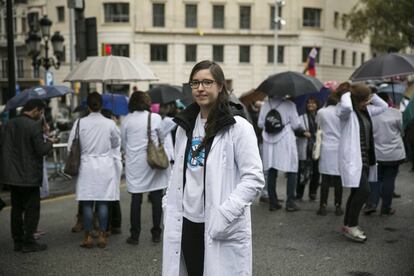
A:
110	69
163	94
385	66
38	92
321	96
394	90
116	103
289	83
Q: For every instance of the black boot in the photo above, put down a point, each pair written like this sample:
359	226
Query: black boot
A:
156	235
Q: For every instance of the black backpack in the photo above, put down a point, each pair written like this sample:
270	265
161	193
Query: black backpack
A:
273	122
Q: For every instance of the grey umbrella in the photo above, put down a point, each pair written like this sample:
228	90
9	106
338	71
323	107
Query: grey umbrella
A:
165	93
385	66
289	83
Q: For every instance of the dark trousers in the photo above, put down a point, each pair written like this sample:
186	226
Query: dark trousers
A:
331	181
271	187
356	200
25	213
384	187
308	171
192	246
135	218
115	215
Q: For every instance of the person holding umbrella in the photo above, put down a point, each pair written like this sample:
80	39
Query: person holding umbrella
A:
357	161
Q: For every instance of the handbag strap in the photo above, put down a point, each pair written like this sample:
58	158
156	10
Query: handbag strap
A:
77	129
149	130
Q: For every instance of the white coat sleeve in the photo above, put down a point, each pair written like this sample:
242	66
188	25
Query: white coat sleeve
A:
72	134
345	109
124	134
377	105
295	122
249	163
115	136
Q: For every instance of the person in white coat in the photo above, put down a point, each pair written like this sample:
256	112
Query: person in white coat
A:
330	125
280	150
95	184
140	177
390	153
216	176
308	168
168	111
357	162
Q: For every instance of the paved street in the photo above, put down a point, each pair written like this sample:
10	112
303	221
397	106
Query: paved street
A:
300	243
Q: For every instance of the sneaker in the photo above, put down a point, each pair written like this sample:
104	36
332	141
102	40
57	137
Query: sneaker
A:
132	241
354	234
275	207
387	212
156	235
322	211
338	211
292	207
33	247
395	195
369	209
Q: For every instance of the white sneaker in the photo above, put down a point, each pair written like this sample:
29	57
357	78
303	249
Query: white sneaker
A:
354	233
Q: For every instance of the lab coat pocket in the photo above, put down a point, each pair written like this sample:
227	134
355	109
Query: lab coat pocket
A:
220	228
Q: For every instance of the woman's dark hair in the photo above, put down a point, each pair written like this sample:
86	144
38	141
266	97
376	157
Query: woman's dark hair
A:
94	101
333	99
33	104
139	101
168	110
107	113
222	103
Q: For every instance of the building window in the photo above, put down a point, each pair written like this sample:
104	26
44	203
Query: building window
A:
354	54
116	12
244	54
334	55
271	54
312	17
4	66
218	16
344	21
190	53
120	50
159	52
272	17
24	25
362	58
306	51
218	53
343	56
191	16
60	13
245	17
20	68
158	15
336	19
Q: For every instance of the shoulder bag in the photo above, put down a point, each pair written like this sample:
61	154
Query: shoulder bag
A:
73	161
156	155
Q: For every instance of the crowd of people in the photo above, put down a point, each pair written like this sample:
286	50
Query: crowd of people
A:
203	197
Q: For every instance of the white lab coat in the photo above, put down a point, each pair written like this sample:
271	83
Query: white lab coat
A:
233	179
280	150
140	177
98	137
330	125
350	159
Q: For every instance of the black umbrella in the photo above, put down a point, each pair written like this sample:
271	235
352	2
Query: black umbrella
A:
385	66
289	83
165	94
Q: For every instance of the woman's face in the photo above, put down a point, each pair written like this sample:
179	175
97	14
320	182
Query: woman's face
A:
205	89
311	106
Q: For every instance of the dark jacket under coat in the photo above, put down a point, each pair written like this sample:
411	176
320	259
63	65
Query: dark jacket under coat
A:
23	149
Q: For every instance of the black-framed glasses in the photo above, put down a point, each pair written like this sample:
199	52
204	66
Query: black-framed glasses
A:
194	84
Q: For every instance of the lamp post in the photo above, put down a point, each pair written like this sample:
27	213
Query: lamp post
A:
278	22
33	43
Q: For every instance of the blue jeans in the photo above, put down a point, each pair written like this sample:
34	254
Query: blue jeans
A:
290	187
384	187
102	209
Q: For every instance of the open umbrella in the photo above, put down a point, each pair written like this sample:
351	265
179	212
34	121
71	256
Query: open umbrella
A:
110	69
385	66
38	92
289	83
163	94
394	90
116	103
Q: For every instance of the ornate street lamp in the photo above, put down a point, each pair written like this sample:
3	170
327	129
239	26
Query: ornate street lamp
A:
33	43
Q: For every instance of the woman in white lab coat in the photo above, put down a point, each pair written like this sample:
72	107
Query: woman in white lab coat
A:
95	184
330	126
140	177
280	150
357	162
216	176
